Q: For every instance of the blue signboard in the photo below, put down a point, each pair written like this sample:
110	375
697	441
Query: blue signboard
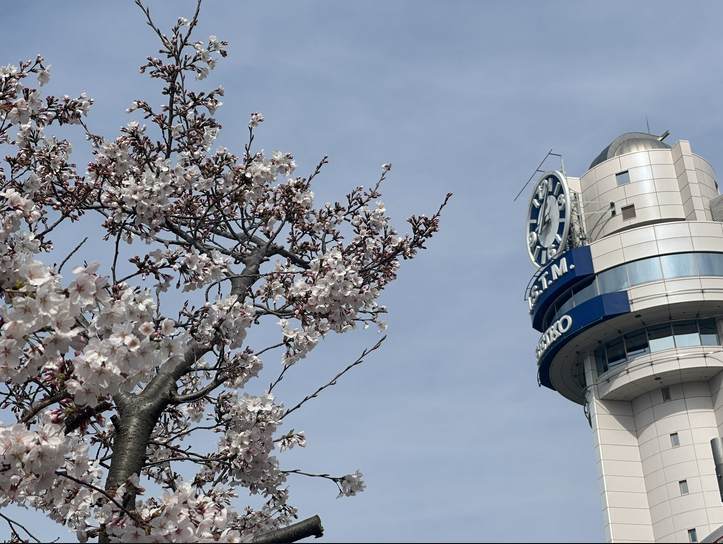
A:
579	318
549	282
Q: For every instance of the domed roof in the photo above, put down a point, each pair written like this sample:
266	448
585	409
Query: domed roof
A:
627	143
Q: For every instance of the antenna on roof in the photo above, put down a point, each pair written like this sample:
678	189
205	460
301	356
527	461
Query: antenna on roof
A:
537	170
646	122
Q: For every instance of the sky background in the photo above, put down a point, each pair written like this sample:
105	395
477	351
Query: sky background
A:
447	423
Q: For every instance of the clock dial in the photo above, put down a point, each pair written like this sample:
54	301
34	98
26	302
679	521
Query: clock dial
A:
548	218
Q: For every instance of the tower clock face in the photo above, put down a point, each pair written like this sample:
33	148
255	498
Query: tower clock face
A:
548	218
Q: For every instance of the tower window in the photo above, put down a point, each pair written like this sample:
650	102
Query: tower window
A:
654	339
692	536
674	440
683	487
666	393
623	178
628	212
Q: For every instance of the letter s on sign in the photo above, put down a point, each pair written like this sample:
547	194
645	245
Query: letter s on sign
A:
556	330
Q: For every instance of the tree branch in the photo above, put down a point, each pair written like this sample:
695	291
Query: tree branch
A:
41	405
131	515
71	254
220	378
13	523
333	381
308	527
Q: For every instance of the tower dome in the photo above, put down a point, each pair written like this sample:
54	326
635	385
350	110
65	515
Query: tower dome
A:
628	143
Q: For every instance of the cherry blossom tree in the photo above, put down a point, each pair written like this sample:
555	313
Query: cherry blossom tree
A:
101	391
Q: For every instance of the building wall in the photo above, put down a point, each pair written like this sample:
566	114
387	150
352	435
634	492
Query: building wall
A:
665	185
623	494
640	469
689	414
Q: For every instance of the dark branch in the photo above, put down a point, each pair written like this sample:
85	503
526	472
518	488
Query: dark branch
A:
293	533
333	381
41	405
131	515
14	523
71	254
220	378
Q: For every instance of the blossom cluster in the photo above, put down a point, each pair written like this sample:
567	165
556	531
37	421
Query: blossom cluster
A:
248	440
46	469
20	104
226	319
181	515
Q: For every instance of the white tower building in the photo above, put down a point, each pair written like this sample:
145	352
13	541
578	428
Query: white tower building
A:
628	297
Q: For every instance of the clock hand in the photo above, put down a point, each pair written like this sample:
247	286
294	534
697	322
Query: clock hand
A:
543	215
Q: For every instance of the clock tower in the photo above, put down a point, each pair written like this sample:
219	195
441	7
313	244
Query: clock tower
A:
628	300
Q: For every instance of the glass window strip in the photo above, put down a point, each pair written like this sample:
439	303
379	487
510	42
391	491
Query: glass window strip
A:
663	337
644	271
617	279
679	265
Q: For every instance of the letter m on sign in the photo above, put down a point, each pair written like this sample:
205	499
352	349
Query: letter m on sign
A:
558	271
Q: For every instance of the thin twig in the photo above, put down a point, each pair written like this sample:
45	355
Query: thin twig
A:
12	522
131	515
269	348
281	377
51	227
115	256
333	381
299	471
71	254
44	404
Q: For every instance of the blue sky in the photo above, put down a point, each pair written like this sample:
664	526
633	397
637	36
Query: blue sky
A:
447	423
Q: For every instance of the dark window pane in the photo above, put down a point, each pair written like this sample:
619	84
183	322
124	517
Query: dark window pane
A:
613	280
548	318
678	266
602	364
660	337
686	334
567	305
585	294
645	271
665	391
708	334
636	344
622	178
616	352
683	487
710	264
